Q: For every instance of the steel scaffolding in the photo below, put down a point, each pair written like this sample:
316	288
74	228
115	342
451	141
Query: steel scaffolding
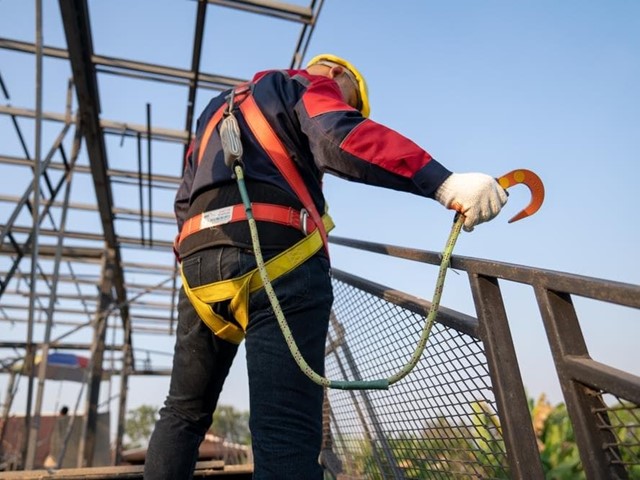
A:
66	267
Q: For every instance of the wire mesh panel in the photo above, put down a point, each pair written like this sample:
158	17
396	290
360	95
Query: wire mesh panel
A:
622	419
438	422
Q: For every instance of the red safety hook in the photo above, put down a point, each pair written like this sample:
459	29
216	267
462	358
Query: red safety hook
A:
533	182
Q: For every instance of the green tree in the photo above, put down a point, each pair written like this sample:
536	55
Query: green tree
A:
556	441
231	424
139	425
446	449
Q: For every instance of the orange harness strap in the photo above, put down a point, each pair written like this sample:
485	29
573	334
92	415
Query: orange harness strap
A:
271	144
274	148
213	123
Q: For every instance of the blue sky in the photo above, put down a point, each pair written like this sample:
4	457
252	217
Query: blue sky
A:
483	86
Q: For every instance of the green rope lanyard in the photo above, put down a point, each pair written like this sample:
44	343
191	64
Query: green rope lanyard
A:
380	384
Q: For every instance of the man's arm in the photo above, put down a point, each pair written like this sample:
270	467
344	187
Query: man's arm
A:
346	144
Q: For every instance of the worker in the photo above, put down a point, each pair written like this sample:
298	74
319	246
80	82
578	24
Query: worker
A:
315	119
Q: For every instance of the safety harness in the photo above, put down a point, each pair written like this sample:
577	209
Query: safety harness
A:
314	226
308	220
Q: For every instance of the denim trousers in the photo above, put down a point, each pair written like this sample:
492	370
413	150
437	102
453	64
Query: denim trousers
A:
285	406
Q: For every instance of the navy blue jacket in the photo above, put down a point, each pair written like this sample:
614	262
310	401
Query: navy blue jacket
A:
322	134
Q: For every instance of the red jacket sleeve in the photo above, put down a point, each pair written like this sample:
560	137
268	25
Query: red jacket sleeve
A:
348	145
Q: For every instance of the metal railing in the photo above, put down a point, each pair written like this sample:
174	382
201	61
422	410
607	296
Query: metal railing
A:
463	411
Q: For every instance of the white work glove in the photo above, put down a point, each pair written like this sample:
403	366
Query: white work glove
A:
477	196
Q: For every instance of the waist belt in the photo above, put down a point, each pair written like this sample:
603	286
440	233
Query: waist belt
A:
237	290
265	212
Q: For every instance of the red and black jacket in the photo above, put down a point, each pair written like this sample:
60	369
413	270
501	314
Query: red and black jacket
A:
322	134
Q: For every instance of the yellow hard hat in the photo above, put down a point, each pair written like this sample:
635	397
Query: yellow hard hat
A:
327	58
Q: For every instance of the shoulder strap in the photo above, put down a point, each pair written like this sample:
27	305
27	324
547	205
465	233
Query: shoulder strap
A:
211	126
274	147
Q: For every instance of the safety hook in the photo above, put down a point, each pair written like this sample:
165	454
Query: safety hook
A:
535	185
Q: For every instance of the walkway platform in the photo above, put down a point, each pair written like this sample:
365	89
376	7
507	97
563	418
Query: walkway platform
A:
212	469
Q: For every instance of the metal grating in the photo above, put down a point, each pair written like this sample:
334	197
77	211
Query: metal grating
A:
622	419
439	422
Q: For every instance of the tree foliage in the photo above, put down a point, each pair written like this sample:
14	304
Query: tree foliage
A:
139	425
556	442
231	424
228	423
448	449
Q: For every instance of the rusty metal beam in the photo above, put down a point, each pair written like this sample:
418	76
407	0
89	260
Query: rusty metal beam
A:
93	280
598	289
58	345
122	66
91	207
568	344
115	174
284	11
107	126
75	18
122	241
515	419
198	35
159	330
86	449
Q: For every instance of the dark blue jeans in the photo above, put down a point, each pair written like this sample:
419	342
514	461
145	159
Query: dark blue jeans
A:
285	406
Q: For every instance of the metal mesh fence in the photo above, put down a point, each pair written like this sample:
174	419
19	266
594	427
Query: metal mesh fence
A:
438	422
622	419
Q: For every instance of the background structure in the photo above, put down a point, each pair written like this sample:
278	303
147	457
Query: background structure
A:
87	206
100	98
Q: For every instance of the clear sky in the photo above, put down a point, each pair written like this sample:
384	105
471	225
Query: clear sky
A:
553	86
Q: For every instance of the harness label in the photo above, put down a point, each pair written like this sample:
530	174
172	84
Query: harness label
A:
216	217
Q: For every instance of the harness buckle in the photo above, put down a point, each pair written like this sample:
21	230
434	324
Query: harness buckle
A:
241	91
304	218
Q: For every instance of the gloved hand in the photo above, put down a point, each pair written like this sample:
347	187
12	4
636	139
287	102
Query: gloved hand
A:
477	196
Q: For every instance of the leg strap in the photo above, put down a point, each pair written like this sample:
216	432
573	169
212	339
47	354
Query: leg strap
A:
238	289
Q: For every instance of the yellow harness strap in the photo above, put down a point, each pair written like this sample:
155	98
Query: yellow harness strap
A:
238	289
